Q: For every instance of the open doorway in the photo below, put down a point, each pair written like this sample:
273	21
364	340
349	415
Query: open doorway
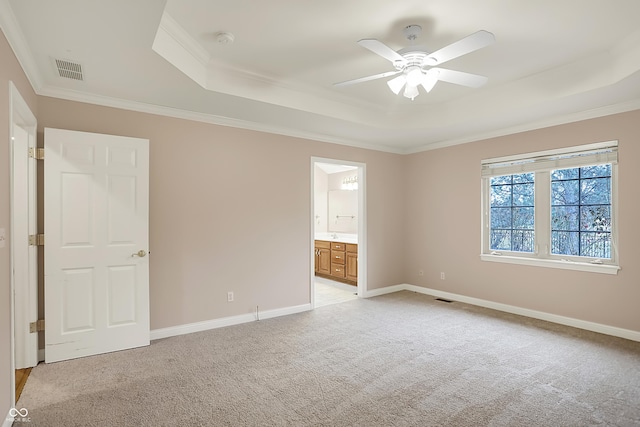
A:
338	231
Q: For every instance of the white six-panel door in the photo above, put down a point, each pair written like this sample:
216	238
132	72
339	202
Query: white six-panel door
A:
96	242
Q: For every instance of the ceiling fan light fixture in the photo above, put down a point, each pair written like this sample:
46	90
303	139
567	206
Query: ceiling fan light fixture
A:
415	76
411	91
430	80
396	83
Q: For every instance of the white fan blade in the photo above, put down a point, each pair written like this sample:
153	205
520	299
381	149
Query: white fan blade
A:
460	78
366	79
381	49
471	43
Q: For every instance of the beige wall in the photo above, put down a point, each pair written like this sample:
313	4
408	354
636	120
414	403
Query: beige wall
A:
230	211
9	71
444	219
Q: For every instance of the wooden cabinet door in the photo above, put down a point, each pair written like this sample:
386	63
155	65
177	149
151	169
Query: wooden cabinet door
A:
323	262
352	266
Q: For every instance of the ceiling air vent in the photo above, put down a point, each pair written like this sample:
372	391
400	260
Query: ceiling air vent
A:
69	69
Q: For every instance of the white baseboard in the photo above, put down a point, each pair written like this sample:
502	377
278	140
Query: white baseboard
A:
225	321
251	317
385	290
562	320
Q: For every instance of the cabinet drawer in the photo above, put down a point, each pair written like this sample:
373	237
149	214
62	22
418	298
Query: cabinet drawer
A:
338	257
322	244
338	246
337	270
352	247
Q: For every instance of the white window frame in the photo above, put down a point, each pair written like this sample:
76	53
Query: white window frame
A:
541	163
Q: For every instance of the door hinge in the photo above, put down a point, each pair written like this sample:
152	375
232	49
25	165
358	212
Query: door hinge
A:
36	326
36	240
36	153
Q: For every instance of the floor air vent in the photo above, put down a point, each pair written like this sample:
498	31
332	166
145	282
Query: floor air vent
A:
69	69
443	300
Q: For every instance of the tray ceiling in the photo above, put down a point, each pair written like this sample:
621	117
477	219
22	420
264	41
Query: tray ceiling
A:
553	62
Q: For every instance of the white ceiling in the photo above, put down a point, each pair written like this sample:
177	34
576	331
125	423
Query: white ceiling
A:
553	62
331	168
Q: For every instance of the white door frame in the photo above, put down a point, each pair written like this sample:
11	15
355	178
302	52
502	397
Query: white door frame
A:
24	295
362	225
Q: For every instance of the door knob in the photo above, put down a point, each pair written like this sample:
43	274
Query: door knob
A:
140	253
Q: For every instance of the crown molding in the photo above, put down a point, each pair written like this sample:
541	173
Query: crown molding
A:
531	126
19	45
141	107
184	39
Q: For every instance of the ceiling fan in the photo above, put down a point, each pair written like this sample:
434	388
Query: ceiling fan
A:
420	68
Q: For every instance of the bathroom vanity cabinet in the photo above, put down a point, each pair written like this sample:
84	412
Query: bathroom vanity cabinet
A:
343	261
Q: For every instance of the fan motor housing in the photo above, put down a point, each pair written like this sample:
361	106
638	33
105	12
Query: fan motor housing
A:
411	59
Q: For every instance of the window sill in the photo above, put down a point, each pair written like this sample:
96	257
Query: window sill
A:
552	263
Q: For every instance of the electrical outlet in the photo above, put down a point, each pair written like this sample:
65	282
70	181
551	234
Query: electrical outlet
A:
442	275
229	296
421	273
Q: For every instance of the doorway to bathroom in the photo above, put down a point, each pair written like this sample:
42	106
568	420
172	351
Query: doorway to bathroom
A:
338	265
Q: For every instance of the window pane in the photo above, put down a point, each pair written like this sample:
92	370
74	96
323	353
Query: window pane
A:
595	218
597	245
523	218
565	218
500	195
595	191
501	239
501	218
512	199
565	192
596	171
504	179
523	178
565	243
523	195
581	211
523	240
560	174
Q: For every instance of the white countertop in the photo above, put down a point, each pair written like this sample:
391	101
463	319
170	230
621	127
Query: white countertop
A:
338	237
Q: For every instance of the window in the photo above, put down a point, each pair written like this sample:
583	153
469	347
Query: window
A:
512	212
552	209
581	211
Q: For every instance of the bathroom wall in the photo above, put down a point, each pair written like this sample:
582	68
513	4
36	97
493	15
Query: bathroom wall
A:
342	204
320	189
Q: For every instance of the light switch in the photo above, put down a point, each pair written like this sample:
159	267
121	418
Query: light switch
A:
3	237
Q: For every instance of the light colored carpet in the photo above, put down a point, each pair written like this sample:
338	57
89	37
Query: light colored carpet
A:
402	359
